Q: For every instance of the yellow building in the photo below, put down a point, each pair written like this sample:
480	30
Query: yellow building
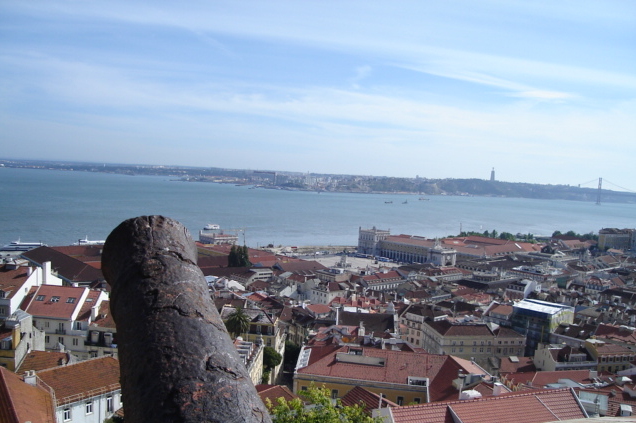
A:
265	330
610	357
404	377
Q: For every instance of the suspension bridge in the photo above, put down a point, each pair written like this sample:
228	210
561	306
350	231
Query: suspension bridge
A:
600	188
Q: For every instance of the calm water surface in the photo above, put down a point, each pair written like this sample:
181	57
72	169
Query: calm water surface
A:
58	208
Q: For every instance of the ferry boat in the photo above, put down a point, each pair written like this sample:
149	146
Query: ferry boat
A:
211	227
86	241
21	246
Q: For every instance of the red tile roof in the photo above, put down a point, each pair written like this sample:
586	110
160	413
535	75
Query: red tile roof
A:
68	303
522	364
82	379
67	266
42	360
543	378
11	280
366	399
20	402
91	300
273	392
533	407
397	367
447	328
104	317
318	308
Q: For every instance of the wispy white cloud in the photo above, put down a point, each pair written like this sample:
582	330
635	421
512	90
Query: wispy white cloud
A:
360	86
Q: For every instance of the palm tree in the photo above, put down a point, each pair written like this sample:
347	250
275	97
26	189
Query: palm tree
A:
237	322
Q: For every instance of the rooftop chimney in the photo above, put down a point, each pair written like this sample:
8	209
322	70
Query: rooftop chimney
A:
30	377
497	389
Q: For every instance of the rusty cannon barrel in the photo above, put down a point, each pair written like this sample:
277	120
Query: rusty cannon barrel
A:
178	363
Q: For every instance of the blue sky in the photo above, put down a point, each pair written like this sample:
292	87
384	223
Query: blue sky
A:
542	91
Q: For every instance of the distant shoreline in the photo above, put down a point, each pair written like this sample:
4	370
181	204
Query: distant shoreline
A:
294	181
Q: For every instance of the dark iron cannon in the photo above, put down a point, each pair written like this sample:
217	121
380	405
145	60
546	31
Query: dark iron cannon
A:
178	363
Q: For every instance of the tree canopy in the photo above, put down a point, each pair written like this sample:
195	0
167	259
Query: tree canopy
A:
320	410
239	256
237	322
271	358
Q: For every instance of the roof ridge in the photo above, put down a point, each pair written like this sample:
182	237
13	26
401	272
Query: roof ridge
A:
88	360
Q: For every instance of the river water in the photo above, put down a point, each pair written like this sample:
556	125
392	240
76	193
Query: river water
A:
60	207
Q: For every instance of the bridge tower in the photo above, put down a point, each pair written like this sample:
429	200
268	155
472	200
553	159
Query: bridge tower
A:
598	194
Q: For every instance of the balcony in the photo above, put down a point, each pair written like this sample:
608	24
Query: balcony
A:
60	331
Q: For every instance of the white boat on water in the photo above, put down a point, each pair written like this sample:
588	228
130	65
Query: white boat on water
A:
211	227
86	241
22	246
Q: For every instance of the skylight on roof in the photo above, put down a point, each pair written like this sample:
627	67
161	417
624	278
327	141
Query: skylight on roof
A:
71	300
55	299
40	298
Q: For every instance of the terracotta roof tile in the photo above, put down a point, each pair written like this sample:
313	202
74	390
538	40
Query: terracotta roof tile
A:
91	300
20	402
273	392
52	301
396	368
83	378
42	360
533	407
104	317
11	280
366	399
66	266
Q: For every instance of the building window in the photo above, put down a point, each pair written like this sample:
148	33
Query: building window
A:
46	339
75	342
67	414
303	388
417	400
400	401
89	407
334	393
60	340
109	404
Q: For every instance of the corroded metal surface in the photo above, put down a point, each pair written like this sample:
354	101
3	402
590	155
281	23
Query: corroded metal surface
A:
177	361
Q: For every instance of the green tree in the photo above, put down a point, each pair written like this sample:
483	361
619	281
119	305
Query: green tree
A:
292	351
271	358
322	410
233	259
493	233
244	256
238	322
556	233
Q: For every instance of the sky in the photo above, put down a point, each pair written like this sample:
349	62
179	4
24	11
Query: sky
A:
542	91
